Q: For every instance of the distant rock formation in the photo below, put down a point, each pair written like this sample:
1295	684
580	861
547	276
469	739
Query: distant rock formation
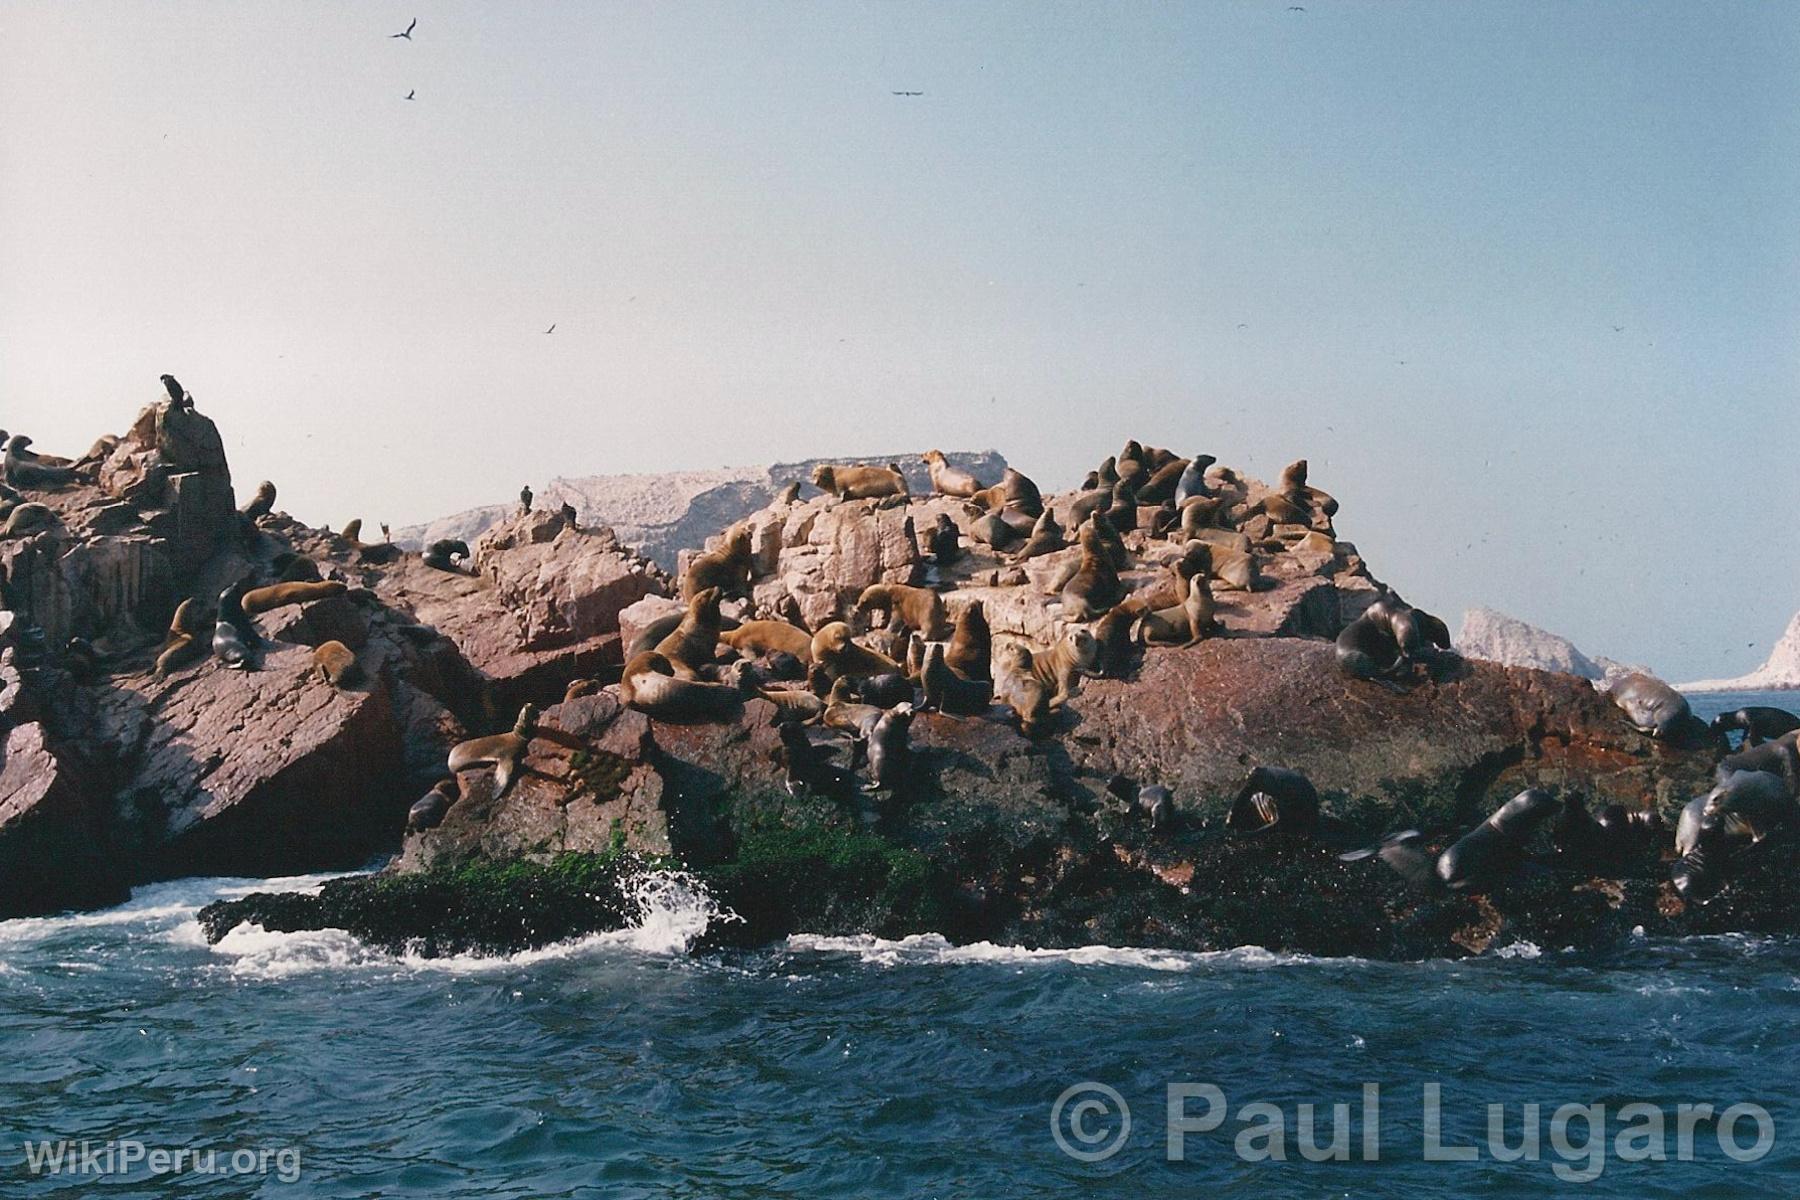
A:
1780	671
662	514
1496	637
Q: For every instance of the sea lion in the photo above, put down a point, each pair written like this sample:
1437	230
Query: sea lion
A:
294	568
233	634
1019	492
835	650
1778	756
789	495
83	663
1759	723
947	480
793	704
654	632
1576	835
890	749
1184	624
352	532
27	518
649	684
181	642
502	751
1046	538
1295	487
770	637
1199	514
780	664
429	810
1108	474
915	607
1016	685
442	554
575	689
727	568
1113	633
1162	482
990	529
336	664
859	483
942	541
1123	511
1158	804
845	713
1366	650
885	691
1275	799
178	395
1192	484
971	644
1095	586
1075	654
280	595
261	504
948	692
1745	808
1653	707
1490	852
807	767
1108	533
1086	504
25	469
694	641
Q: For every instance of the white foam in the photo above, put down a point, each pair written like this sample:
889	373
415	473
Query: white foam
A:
1520	950
155	904
928	949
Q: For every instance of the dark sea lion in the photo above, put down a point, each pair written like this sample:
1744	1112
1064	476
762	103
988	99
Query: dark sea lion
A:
971	645
1275	800
280	595
1108	473
728	568
1366	650
25	469
1715	829
991	529
1578	836
1108	533
336	664
948	692
859	483
25	518
1653	707
890	749
807	767
846	714
1113	632
1123	511
885	691
1086	504
1778	756
837	652
233	634
1089	482
649	685
1046	538
1759	723
428	811
694	641
1192	482
947	480
770	637
942	541
648	637
261	504
1491	851
915	607
502	751
1162	482
1157	804
1021	494
442	554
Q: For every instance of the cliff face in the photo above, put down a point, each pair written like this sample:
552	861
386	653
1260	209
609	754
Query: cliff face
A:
1496	637
1780	671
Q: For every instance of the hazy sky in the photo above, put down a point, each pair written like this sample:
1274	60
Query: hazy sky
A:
1522	281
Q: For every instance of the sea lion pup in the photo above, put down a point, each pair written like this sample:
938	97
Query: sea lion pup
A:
1745	808
769	637
83	663
1652	706
1192	483
859	483
1275	799
25	469
727	568
181	643
915	607
27	518
577	688
1405	854
1046	538
942	541
840	656
280	595
1075	654
502	751
890	749
233	633
1759	723
1491	851
261	504
947	480
1366	650
1158	804
442	554
1016	685
971	644
807	767
649	685
948	692
429	810
694	642
1184	624
336	664
1095	586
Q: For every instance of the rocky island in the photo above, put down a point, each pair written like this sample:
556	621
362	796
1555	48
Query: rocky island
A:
1110	813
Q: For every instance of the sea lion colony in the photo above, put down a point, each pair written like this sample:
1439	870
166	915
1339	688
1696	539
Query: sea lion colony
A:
857	682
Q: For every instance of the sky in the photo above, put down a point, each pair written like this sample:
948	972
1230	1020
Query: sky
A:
1522	281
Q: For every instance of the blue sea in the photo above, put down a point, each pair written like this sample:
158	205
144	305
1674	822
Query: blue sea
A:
141	1062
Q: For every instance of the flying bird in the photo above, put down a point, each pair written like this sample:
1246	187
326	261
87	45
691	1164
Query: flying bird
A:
1618	329
552	328
412	93
407	32
1295	8
908	93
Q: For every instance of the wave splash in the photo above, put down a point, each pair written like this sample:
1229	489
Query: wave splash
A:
931	949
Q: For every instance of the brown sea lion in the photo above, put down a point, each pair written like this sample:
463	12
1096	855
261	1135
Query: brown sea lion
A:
844	712
793	704
1020	493
1113	633
1057	667
577	688
1183	624
948	692
1161	484
649	685
947	480
28	517
502	751
838	653
280	595
1095	587
727	568
767	637
859	483
336	664
352	532
993	530
1086	504
1046	538
971	644
694	642
942	541
261	504
1016	685
429	810
183	641
917	608
890	749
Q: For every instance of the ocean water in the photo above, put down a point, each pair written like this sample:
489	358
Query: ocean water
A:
309	1065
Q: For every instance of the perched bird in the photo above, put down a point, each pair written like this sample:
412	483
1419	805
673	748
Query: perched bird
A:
177	394
525	498
407	32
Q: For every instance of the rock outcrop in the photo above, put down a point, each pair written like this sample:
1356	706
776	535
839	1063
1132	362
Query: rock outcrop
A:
1781	671
1496	637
